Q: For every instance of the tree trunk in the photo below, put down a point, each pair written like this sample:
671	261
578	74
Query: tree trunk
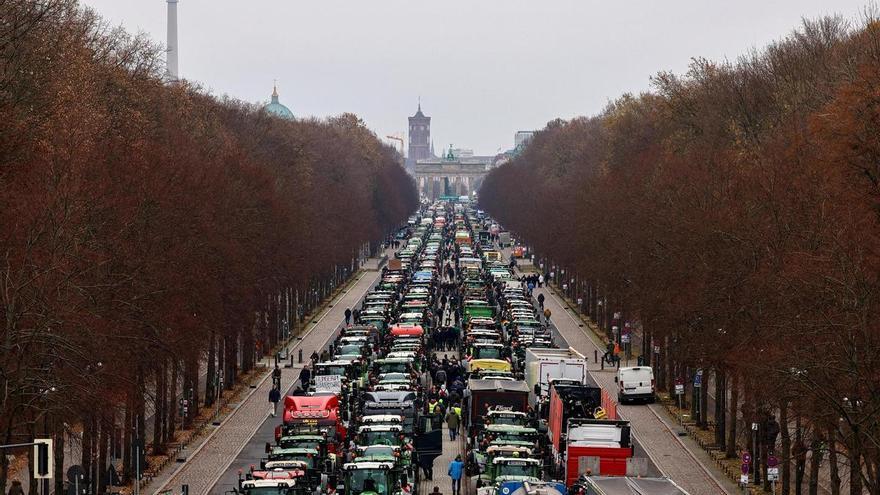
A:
59	474
832	461
815	462
158	405
171	394
733	407
103	444
211	372
87	448
785	436
704	401
855	468
720	417
32	485
800	456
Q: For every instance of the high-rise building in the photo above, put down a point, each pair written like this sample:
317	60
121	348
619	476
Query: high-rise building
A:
419	137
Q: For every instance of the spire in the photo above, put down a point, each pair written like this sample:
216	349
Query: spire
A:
420	103
275	91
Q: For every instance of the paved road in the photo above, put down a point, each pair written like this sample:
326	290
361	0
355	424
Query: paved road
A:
209	461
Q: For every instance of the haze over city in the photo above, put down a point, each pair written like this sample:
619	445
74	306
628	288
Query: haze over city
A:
483	69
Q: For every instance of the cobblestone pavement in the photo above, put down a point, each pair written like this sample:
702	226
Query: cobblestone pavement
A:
451	448
687	465
206	464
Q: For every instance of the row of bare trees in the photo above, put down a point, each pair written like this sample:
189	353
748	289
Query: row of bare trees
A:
732	212
148	230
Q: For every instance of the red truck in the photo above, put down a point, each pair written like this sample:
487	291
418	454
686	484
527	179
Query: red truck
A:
304	413
581	431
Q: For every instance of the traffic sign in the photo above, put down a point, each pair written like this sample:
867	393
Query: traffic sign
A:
772	461
754	426
698	379
746	458
624	338
679	389
743	479
772	473
656	349
745	468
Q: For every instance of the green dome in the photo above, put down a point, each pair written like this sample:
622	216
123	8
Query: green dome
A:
277	109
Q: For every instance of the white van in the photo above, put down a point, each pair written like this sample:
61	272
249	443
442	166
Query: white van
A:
635	383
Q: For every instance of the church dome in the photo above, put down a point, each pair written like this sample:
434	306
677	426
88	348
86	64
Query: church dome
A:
276	108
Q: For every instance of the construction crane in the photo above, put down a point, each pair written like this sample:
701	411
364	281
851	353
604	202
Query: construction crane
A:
399	140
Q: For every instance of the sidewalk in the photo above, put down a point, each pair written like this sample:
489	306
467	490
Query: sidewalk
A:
208	461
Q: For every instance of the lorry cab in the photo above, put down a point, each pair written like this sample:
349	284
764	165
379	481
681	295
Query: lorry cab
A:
501	417
369	478
379	434
270	487
636	383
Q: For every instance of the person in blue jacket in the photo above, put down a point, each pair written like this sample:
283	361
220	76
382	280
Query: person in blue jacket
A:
456	469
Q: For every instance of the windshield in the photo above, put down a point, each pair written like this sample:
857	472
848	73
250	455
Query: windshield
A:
517	468
367	481
515	436
309	459
331	370
301	444
350	349
393	367
379	438
507	420
487	353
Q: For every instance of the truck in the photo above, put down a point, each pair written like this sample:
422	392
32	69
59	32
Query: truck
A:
542	365
504	239
492	394
313	413
604	446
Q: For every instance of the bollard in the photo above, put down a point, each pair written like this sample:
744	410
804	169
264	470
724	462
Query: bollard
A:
300	356
595	355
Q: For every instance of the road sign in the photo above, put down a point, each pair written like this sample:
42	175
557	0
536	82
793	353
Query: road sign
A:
624	338
698	379
745	468
754	426
743	479
656	349
772	474
772	461
679	389
44	459
746	458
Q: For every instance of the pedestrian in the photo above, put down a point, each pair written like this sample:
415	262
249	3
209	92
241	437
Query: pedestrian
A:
452	422
347	316
305	375
456	469
540	281
16	488
541	301
274	397
276	377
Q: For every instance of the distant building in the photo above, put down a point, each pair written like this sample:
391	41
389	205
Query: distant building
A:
276	108
419	138
521	138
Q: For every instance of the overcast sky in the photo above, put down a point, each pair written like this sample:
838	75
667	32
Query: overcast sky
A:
483	68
